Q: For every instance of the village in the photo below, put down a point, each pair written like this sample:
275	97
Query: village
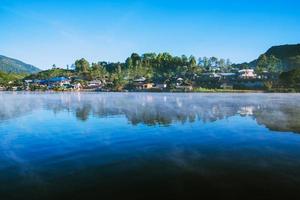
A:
241	79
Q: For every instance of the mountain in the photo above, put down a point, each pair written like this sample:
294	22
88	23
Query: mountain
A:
6	77
11	65
284	51
288	54
282	58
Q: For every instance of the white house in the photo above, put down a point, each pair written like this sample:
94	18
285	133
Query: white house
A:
247	74
95	83
142	79
161	86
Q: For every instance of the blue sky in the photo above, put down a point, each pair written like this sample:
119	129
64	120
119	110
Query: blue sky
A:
46	32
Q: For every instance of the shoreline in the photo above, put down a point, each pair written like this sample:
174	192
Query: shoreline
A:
166	92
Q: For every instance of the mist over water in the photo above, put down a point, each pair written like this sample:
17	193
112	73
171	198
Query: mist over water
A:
147	145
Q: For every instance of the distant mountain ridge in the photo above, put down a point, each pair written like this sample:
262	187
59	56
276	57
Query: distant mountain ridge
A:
289	56
11	65
284	51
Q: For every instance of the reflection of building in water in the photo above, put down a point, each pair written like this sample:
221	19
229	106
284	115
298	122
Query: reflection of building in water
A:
178	102
275	112
246	110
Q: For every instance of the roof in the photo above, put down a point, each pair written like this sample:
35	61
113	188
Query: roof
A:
58	79
211	74
246	70
227	74
29	81
142	79
95	82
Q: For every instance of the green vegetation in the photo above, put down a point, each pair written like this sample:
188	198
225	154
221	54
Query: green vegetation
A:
277	58
291	79
207	90
11	65
7	77
51	73
9	80
275	70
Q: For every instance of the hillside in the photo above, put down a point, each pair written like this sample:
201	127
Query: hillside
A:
5	78
284	51
51	73
288	54
282	58
11	65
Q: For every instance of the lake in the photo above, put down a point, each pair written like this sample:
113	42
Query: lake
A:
149	146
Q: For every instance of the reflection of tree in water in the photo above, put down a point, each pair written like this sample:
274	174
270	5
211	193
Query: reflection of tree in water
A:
83	112
12	107
274	111
281	117
155	110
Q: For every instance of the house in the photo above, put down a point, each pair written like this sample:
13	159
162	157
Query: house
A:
211	75
186	88
247	74
77	86
95	84
58	81
28	81
142	79
265	75
179	81
39	82
148	85
143	86
160	86
228	76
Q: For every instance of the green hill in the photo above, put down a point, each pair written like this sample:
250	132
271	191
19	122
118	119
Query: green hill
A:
284	51
280	58
11	65
288	54
5	78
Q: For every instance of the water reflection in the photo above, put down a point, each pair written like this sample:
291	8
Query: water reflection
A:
160	146
278	112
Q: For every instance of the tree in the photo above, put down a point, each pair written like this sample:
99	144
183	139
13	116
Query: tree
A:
98	71
204	62
268	84
290	78
268	63
192	61
135	59
184	60
118	81
82	65
129	62
214	62
228	63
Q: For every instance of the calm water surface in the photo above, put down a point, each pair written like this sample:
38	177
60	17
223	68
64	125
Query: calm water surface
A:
149	146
